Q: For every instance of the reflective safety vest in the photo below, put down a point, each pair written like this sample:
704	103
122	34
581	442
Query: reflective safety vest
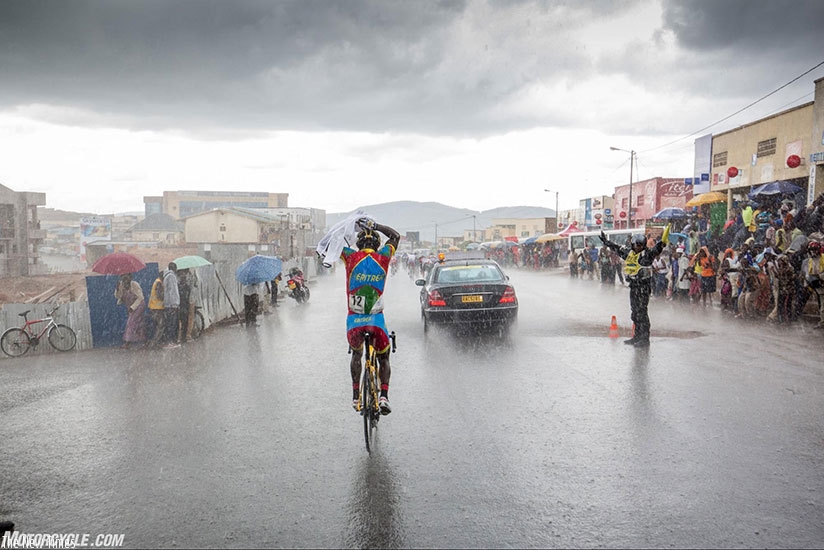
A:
815	267
634	269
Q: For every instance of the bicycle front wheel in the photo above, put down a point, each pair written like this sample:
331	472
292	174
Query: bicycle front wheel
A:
197	326
62	338
15	342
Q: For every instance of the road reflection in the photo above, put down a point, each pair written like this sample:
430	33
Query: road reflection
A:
373	508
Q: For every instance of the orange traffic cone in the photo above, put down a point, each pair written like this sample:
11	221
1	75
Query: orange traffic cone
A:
613	328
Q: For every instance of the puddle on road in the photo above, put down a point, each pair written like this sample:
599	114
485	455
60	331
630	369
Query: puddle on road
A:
575	328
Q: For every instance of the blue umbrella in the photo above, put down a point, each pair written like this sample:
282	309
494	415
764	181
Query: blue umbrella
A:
670	214
258	269
775	188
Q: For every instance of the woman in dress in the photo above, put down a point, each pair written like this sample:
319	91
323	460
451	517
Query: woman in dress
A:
129	293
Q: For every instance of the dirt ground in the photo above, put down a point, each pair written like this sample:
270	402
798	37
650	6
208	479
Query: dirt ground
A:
70	287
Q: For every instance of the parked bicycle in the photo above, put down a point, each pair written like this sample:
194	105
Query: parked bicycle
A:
17	341
369	390
198	324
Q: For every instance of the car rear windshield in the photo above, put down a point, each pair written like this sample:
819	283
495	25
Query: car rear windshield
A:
469	274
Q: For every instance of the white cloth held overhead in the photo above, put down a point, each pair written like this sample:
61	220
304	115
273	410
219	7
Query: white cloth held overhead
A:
343	233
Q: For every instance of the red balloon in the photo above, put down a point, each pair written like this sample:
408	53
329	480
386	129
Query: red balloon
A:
732	171
598	221
623	214
793	161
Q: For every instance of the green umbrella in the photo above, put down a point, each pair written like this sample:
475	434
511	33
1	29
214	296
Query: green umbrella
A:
186	262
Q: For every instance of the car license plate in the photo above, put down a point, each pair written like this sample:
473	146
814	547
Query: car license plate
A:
476	298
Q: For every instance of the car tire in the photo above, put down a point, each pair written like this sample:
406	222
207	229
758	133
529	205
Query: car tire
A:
425	323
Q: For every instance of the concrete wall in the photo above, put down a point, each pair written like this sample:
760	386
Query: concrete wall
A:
792	130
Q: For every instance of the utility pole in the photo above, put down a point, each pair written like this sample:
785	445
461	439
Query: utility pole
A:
556	207
631	162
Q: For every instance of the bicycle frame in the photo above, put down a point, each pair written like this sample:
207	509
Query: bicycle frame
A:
368	398
27	326
370	369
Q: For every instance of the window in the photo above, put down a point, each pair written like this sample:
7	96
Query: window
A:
766	148
719	159
640	201
624	204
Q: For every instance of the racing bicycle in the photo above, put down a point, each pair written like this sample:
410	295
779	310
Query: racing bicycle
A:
17	341
370	390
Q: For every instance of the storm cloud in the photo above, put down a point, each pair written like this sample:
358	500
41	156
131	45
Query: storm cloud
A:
458	68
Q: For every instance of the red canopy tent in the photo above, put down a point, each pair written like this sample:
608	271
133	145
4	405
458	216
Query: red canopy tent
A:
571	228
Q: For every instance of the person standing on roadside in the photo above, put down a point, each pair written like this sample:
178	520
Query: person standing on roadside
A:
156	311
186	282
638	269
129	294
251	302
171	305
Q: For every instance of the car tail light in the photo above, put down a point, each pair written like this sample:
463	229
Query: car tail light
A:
508	297
435	299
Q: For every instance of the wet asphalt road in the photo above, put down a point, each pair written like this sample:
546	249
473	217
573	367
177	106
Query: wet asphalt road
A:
557	437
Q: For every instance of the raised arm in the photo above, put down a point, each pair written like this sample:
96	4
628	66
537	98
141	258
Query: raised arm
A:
393	237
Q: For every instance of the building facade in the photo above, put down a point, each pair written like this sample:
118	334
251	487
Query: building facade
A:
181	204
20	233
816	151
288	234
761	152
648	197
521	228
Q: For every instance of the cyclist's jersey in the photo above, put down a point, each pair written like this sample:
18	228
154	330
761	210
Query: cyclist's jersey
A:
366	277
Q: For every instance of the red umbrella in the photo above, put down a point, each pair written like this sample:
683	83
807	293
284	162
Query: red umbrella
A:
118	263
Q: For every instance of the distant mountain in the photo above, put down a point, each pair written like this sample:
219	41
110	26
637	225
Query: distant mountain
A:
54	215
423	216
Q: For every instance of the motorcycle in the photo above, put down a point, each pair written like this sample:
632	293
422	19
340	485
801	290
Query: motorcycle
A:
297	286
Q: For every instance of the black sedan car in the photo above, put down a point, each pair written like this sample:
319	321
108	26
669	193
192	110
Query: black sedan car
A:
472	294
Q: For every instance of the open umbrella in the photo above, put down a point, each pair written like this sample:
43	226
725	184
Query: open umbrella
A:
549	237
707	198
118	263
670	214
258	269
187	262
775	188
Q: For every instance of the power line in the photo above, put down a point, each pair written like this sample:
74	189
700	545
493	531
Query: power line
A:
737	112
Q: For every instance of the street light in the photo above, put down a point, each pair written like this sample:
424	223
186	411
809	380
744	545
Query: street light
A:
631	161
556	207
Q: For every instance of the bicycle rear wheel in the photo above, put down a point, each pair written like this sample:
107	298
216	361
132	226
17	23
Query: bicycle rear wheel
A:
368	409
62	338
15	342
197	325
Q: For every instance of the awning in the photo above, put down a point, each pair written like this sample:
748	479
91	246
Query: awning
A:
707	198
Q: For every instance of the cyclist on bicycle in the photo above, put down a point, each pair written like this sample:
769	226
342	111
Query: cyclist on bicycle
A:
366	270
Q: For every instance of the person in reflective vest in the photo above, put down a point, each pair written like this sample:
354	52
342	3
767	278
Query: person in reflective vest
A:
638	272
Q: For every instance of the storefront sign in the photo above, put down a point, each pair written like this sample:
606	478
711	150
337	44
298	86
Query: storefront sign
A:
817	157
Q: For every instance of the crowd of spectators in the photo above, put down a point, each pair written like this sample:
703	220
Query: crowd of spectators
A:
765	262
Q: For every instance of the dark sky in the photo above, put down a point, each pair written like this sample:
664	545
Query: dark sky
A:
435	68
104	102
